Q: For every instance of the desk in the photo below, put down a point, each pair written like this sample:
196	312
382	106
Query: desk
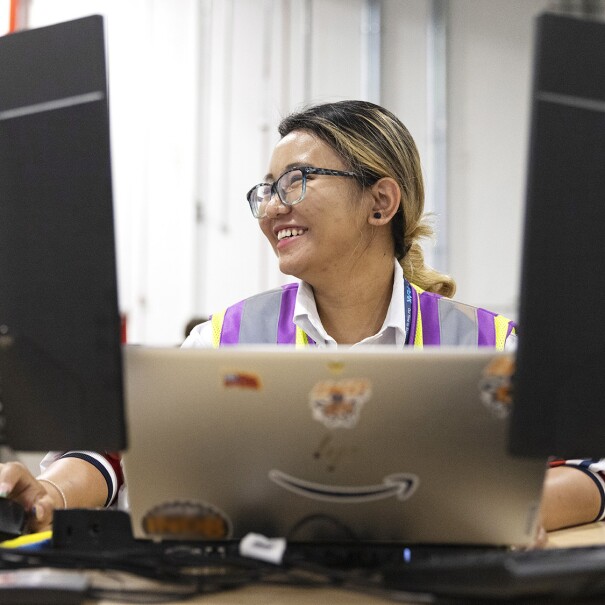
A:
585	535
276	595
592	534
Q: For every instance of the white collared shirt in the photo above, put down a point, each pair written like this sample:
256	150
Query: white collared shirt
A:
392	331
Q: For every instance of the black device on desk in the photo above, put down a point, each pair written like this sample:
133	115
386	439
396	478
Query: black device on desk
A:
60	357
560	384
12	519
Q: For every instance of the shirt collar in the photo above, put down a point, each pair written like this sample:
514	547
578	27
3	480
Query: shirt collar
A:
307	318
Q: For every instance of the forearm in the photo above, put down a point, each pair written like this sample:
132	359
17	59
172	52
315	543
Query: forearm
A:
66	483
570	497
82	485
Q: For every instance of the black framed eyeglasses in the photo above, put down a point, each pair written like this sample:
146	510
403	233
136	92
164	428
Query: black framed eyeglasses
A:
290	187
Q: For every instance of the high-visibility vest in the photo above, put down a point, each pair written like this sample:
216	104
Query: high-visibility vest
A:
267	318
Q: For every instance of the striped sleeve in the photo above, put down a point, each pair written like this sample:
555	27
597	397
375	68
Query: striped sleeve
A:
593	468
109	464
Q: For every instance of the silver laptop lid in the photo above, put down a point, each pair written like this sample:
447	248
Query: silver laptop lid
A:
371	444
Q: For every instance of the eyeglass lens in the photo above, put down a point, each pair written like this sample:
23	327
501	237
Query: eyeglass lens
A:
290	188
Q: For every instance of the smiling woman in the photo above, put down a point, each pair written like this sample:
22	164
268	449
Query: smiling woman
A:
181	133
342	206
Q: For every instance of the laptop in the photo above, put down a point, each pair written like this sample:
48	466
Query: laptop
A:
372	445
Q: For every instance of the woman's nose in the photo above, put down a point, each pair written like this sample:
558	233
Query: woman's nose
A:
275	207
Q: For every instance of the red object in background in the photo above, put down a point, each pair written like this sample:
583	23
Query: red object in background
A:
123	325
14	11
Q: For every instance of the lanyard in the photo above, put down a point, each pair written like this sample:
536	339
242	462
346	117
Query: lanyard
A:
408	310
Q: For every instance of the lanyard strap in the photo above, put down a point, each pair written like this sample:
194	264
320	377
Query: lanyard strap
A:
408	310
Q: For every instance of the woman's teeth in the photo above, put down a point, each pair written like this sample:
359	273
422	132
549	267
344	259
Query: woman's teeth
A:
289	233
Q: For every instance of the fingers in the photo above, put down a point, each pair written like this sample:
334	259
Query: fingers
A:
40	517
17	483
541	540
12	475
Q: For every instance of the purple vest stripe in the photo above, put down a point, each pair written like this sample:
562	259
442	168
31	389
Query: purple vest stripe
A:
510	328
286	328
231	324
429	308
487	329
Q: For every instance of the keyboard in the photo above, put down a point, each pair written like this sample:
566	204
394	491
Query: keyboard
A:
551	574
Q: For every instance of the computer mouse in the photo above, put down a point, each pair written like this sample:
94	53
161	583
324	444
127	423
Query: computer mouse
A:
12	519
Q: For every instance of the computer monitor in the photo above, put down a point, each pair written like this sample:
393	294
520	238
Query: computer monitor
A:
60	357
559	389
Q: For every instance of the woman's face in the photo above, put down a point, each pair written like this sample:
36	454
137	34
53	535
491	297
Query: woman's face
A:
328	228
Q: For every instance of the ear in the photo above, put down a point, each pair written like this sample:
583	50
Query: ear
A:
386	198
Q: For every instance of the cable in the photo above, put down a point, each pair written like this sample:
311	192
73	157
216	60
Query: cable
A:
192	571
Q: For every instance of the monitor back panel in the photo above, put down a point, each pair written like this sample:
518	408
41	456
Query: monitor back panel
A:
560	383
60	358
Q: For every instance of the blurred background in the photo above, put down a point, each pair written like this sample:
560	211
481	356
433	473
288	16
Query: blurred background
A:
197	88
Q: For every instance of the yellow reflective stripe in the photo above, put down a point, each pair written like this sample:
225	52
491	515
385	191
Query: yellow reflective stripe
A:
301	338
501	326
418	341
217	328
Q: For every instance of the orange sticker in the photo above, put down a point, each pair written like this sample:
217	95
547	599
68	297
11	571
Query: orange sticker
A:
496	387
338	403
186	520
242	380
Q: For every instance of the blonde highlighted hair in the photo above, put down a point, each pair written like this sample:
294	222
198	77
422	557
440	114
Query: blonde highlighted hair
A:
374	143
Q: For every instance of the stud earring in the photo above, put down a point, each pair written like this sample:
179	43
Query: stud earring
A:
377	215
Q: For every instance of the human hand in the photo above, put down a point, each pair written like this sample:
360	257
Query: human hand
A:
17	483
541	539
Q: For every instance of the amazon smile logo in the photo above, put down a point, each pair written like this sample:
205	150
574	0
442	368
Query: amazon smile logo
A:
398	485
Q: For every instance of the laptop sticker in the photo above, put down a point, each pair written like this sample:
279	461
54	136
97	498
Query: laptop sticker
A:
336	367
331	454
193	520
495	387
242	380
337	403
399	485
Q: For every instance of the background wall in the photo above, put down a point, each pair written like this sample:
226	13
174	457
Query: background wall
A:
198	86
4	16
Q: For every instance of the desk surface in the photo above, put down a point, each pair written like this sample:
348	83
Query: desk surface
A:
586	535
276	595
